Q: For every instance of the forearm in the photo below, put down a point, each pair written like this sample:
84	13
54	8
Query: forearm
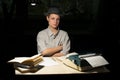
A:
52	51
57	55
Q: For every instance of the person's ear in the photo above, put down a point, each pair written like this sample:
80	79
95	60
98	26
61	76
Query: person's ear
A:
47	18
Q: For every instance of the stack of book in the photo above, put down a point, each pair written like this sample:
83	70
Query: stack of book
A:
27	64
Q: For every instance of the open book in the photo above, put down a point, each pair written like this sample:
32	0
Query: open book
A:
85	62
27	64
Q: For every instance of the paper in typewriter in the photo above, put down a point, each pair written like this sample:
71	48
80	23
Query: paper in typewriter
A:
96	61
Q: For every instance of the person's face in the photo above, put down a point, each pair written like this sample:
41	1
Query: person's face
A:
53	20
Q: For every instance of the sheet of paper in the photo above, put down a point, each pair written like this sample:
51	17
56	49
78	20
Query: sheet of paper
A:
96	61
48	61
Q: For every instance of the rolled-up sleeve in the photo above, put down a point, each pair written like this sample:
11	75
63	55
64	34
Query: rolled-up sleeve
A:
66	44
41	42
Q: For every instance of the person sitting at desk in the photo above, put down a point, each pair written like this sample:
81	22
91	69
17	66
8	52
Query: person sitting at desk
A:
52	41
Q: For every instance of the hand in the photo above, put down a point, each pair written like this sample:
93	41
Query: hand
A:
61	47
60	44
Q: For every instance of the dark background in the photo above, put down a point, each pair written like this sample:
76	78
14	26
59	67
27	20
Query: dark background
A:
92	26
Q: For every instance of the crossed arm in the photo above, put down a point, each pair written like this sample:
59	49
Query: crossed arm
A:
53	51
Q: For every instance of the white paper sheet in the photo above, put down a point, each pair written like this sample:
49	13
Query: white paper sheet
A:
48	61
96	61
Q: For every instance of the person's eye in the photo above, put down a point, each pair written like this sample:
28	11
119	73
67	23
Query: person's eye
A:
58	19
52	18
